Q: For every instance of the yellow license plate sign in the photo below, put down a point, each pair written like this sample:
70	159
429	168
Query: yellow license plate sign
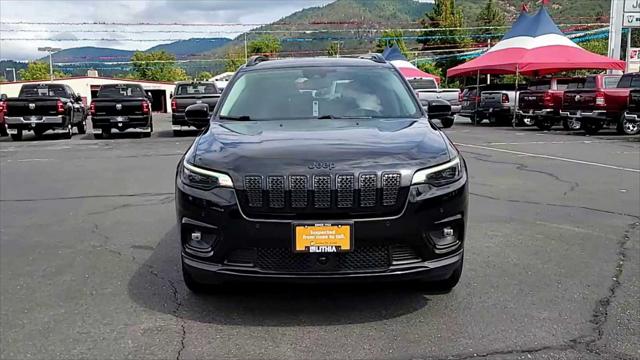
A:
322	238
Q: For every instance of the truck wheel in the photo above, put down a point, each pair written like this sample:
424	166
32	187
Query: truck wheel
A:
106	132
38	132
3	130
446	122
82	127
627	127
571	124
69	133
544	123
591	127
17	136
177	133
527	120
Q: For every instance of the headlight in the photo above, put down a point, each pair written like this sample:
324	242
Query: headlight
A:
202	178
439	175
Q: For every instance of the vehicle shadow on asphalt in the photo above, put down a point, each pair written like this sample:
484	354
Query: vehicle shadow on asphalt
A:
157	285
169	133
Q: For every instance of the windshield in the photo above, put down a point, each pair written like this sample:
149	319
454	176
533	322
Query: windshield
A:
42	91
320	92
111	91
196	89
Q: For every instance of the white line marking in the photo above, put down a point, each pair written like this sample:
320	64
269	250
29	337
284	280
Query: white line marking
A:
25	160
549	142
551	157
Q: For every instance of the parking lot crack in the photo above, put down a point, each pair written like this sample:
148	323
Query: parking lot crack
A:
522	167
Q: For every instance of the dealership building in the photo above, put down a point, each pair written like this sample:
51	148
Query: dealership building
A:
87	87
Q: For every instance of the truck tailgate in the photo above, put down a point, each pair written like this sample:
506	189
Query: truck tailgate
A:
491	99
182	102
118	107
531	100
38	106
579	99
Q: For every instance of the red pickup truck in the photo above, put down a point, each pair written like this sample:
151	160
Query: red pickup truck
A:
541	103
602	101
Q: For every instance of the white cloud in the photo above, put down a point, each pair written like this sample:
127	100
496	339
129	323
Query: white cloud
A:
127	11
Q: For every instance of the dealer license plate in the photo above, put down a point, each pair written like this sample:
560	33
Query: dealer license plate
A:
119	119
322	238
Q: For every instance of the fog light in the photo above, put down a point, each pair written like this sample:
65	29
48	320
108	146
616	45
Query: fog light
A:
444	239
198	240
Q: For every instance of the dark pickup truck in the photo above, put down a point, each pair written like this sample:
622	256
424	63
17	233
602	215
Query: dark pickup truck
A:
602	101
190	93
43	107
542	102
121	107
631	123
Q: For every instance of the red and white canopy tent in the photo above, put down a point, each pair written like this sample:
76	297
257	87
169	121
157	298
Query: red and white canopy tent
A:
534	46
408	70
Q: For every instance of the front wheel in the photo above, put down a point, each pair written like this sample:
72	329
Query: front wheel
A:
69	133
627	127
592	127
3	130
17	136
447	122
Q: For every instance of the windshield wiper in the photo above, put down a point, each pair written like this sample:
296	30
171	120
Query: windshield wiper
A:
325	117
240	118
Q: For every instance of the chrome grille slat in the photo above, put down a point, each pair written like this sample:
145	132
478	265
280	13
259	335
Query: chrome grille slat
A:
253	187
344	187
322	191
298	186
275	188
368	188
390	188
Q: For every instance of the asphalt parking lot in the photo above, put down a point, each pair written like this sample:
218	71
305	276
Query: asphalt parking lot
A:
89	261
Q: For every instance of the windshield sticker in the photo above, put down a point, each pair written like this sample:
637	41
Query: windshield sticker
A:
315	108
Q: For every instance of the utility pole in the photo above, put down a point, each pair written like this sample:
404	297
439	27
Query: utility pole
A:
50	50
245	47
615	28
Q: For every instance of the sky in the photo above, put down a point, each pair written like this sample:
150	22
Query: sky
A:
21	45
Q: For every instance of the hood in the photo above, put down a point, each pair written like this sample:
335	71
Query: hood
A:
307	147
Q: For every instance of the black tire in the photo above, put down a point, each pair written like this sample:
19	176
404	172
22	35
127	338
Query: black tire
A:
544	124
69	133
626	127
106	133
447	284
526	120
193	285
97	136
82	127
592	127
3	130
177	133
447	122
38	132
17	136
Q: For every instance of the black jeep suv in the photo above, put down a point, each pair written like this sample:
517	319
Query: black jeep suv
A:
321	170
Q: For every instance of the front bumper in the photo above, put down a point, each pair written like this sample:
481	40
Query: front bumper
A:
122	123
455	109
261	249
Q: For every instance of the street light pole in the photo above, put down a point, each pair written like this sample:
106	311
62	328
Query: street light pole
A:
50	50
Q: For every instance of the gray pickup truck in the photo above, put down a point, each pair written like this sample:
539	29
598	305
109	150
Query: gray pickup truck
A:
498	105
427	90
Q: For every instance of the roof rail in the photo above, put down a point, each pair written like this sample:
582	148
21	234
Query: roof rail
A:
374	57
256	59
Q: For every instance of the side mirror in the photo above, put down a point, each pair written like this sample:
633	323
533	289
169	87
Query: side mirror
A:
78	98
197	115
438	109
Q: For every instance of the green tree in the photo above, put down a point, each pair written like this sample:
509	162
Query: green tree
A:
444	15
39	70
390	38
204	75
598	46
431	68
233	59
156	66
265	44
333	49
491	15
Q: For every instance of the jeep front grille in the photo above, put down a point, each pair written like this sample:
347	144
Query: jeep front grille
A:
325	196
